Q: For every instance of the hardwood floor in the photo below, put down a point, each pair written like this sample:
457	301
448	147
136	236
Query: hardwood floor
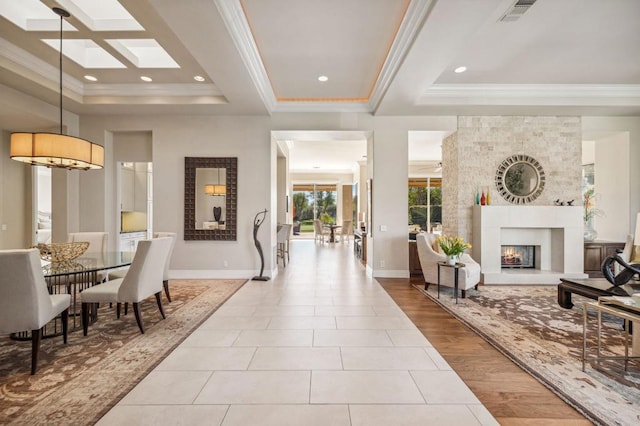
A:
508	392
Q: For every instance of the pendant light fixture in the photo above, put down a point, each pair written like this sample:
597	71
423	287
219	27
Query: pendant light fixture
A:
56	149
217	189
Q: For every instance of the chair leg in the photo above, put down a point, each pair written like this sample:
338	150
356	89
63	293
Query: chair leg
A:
464	293
118	307
85	318
136	311
36	336
159	300
65	325
126	308
165	284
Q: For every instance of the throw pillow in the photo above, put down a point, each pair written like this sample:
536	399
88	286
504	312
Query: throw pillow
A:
635	255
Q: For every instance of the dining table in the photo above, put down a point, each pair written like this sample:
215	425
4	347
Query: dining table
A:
332	235
71	277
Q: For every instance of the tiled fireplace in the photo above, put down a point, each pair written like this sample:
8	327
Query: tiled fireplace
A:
553	233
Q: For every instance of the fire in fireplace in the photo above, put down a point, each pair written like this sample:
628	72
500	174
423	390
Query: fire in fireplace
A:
518	257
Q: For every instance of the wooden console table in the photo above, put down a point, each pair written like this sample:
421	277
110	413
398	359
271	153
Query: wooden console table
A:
360	245
595	252
415	270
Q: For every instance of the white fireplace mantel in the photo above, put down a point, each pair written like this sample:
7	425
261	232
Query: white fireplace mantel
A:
556	231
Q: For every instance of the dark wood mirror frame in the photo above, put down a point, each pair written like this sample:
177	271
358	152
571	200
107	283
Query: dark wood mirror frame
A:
230	164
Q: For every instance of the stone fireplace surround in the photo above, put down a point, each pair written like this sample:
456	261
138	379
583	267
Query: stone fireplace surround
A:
557	233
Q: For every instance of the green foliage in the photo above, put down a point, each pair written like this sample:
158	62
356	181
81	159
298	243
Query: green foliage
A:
452	246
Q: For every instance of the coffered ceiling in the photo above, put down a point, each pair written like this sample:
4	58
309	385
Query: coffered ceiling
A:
389	57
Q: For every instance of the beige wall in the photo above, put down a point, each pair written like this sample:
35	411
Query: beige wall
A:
175	137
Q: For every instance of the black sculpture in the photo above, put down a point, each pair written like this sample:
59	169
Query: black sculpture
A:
257	221
625	275
217	212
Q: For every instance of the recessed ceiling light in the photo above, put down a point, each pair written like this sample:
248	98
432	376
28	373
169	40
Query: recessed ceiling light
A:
316	167
145	78
460	69
323	78
90	78
198	78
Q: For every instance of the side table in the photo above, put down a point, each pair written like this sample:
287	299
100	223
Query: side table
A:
456	268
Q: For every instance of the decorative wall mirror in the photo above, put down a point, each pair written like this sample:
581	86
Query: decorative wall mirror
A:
520	179
210	198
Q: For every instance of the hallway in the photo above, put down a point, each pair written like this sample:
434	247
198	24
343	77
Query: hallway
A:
321	344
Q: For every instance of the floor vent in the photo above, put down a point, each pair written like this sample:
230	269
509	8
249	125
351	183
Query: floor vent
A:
516	11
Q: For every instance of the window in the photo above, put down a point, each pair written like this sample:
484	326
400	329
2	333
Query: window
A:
314	201
425	202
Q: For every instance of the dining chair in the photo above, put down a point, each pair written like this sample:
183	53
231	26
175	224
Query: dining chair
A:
320	232
143	279
97	246
283	243
346	230
120	273
25	303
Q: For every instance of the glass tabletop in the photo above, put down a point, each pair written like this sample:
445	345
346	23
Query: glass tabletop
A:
89	263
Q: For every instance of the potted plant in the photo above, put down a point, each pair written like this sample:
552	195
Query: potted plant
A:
590	211
453	247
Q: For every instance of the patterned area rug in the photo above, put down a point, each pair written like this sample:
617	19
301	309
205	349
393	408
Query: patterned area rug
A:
79	382
528	326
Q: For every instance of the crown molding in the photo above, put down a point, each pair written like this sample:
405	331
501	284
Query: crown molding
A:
412	23
532	94
24	63
360	107
238	27
146	89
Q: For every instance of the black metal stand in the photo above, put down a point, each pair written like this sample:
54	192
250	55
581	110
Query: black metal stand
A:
257	221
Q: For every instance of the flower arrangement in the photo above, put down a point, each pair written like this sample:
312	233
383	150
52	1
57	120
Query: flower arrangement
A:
589	202
452	246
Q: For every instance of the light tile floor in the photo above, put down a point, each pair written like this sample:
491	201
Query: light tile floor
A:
321	344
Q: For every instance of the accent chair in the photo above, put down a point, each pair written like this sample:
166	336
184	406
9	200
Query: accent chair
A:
469	275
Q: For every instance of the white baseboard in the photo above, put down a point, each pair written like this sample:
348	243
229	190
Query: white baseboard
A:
388	273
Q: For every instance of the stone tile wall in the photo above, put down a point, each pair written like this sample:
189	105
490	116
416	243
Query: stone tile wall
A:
472	155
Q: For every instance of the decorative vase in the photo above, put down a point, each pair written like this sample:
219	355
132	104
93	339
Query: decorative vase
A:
590	234
452	259
477	199
488	196
483	200
217	212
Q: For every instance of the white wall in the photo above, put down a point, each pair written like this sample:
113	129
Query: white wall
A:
612	187
630	125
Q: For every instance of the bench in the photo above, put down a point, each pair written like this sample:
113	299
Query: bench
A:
592	288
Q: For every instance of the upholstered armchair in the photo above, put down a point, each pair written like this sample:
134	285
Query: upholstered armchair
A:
468	277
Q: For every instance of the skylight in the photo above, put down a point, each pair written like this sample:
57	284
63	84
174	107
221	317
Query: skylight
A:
144	53
32	15
86	53
103	15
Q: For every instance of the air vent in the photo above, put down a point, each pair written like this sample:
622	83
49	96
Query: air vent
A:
516	11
